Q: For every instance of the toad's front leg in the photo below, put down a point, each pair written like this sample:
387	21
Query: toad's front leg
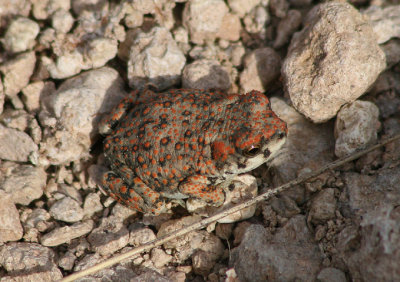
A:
199	187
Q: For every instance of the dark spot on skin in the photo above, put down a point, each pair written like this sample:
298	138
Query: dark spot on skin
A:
165	141
188	133
241	165
212	180
206	125
140	159
186	113
167	104
220	123
266	153
147	147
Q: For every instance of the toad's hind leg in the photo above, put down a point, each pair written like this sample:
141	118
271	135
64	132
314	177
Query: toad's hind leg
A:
137	196
198	186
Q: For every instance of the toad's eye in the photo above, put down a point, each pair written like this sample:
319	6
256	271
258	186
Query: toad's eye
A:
253	151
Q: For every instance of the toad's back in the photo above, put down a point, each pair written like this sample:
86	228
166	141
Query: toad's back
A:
167	138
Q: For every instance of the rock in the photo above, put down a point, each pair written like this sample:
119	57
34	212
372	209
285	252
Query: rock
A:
262	256
203	19
42	9
286	27
384	21
52	274
65	66
17	146
387	81
16	119
29	262
261	68
150	275
299	3
331	274
140	235
35	130
61	235
230	28
375	251
237	53
388	103
224	230
119	272
391	127
123	212
242	7
67	210
16	73
156	58
94	53
37	218
159	258
11	228
20	35
205	74
308	147
62	21
202	263
160	10
283	205
323	206
323	70
188	244
366	192
67	261
63	190
239	231
133	18
32	92
84	6
356	127
279	8
109	237
2	96
256	20
100	51
392	52
73	112
18	7
24	183
92	204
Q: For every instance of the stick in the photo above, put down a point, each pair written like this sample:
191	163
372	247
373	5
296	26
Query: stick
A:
203	223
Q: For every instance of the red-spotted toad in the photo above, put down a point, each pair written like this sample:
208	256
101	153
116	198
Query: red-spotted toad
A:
183	143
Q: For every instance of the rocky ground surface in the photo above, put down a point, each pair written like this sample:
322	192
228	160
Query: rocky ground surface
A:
333	70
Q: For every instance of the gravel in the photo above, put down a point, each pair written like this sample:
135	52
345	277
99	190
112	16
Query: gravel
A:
333	69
